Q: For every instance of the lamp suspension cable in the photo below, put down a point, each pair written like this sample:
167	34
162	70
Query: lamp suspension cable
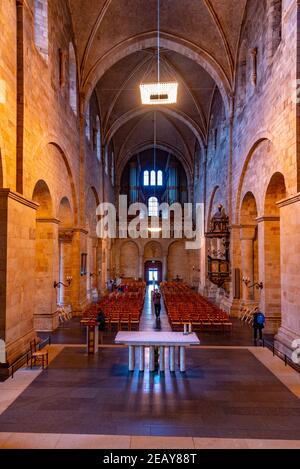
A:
158	41
158	93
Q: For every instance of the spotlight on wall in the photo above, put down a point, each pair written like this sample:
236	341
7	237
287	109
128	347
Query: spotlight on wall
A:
58	284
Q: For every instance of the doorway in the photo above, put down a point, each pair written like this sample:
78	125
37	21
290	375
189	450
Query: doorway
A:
153	272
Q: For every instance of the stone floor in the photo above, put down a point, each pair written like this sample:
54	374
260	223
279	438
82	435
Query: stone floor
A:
225	393
232	395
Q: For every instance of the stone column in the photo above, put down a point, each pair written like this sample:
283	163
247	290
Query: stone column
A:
141	266
269	268
164	267
46	271
247	253
289	267
79	284
232	304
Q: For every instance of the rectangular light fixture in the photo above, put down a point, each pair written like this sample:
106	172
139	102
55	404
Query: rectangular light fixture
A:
159	93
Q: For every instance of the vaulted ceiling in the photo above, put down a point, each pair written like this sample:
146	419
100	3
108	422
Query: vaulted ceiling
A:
116	51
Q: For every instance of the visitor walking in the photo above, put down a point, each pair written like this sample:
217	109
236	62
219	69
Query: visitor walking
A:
157	302
258	324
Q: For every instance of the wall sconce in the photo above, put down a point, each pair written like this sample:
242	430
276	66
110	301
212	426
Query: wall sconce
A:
58	284
258	285
195	270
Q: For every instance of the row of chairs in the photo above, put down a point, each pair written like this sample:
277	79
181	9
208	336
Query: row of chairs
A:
121	311
184	305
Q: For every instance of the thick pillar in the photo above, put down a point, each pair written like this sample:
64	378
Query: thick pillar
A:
247	255
290	261
79	283
269	268
46	270
17	274
164	267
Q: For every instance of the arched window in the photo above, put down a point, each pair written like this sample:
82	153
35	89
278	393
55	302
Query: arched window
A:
153	178
275	28
41	27
153	207
112	168
98	139
88	123
146	178
72	78
159	178
106	161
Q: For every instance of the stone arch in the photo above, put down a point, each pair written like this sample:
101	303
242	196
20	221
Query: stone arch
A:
141	111
249	246
45	253
162	146
65	214
129	260
65	249
153	250
261	138
211	205
41	195
275	192
168	41
178	262
248	210
41	149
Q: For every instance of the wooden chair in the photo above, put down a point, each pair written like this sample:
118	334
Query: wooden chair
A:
38	355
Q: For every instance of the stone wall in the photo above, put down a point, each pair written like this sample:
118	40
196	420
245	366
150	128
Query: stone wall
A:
263	144
40	142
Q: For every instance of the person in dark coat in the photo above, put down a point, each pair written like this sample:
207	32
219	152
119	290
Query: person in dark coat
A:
101	324
157	303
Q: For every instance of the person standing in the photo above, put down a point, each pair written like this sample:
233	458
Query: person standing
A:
157	303
101	324
258	324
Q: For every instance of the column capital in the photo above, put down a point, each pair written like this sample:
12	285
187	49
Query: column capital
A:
248	232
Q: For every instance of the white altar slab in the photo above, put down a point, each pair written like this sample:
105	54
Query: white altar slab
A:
162	340
149	338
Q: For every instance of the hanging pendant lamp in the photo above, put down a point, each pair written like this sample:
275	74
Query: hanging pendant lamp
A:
160	92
